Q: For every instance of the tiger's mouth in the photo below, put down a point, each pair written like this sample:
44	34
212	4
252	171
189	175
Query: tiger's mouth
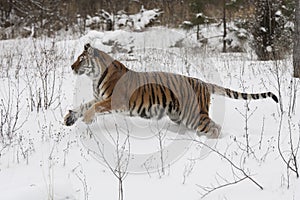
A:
75	68
78	72
75	71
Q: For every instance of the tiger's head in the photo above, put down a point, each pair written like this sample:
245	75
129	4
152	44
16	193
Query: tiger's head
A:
91	62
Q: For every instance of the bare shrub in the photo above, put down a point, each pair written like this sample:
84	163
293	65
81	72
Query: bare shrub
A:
121	153
44	78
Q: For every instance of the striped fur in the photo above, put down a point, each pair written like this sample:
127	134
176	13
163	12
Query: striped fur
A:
185	100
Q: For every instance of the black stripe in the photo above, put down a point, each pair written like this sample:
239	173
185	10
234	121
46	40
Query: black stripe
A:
148	93
102	77
164	99
173	86
192	110
143	113
203	112
228	92
212	89
170	107
244	95
109	95
176	96
235	94
159	79
269	94
182	88
275	98
254	96
264	95
190	82
130	80
194	120
157	94
115	64
168	81
196	88
195	83
205	126
173	98
105	90
141	105
152	94
203	97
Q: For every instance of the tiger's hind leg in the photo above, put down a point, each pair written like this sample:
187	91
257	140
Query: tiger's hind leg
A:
208	127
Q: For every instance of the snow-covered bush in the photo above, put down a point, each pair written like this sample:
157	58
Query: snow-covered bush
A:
137	22
145	18
210	37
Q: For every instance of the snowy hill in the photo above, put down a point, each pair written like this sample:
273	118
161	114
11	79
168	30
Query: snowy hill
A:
40	158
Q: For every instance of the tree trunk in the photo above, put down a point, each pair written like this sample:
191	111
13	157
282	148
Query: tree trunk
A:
198	32
296	51
224	25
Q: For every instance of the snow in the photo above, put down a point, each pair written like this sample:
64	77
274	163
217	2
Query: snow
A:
199	15
278	13
142	19
269	48
65	162
187	22
90	20
263	29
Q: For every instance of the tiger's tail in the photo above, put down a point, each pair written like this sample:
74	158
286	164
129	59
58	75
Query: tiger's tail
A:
215	89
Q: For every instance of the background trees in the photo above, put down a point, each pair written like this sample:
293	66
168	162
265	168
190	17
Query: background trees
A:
296	52
49	16
270	22
271	29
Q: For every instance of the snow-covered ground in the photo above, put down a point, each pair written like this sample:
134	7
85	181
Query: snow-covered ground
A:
40	158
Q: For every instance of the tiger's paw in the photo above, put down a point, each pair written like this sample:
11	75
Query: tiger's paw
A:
70	118
89	116
214	132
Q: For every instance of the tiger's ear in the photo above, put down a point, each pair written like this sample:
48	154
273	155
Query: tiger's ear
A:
87	46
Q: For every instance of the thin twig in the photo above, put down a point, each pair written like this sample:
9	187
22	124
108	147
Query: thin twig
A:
228	160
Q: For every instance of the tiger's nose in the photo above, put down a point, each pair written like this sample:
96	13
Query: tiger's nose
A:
72	66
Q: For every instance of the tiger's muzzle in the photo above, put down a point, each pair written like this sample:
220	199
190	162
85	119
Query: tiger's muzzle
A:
75	67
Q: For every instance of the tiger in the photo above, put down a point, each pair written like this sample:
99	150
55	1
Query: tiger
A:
185	100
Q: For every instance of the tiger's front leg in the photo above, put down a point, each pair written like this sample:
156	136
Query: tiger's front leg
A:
99	107
78	112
